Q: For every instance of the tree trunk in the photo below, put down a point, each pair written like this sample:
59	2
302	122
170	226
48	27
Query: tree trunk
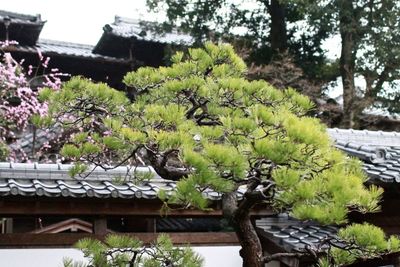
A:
278	32
251	251
347	60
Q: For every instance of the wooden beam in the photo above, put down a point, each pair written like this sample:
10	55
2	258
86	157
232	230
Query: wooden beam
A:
26	240
66	225
25	206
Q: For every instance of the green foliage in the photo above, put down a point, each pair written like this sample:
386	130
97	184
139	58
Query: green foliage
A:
221	126
202	121
68	262
261	39
4	151
143	176
123	250
45	94
372	41
70	151
77	169
361	241
82	97
302	28
41	121
112	142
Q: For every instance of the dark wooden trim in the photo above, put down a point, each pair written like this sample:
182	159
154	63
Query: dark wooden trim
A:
100	226
94	58
27	240
11	207
151	225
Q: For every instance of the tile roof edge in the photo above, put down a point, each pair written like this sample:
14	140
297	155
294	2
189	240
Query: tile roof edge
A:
386	133
121	19
64	43
63	169
28	17
137	22
95	56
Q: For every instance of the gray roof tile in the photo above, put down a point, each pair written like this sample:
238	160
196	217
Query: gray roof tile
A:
294	235
131	28
380	151
22	18
374	138
52	47
53	180
381	163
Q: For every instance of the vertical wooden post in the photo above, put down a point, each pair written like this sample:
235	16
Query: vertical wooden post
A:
9	226
151	225
100	226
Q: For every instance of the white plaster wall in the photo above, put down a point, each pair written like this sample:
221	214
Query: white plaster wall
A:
214	257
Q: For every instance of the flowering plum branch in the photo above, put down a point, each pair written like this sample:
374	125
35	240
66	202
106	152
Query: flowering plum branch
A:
19	95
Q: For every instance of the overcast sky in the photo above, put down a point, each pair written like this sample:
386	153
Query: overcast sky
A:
78	21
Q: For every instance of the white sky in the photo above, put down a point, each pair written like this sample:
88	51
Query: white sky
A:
78	21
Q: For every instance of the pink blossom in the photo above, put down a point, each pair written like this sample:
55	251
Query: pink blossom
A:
39	54
30	69
18	100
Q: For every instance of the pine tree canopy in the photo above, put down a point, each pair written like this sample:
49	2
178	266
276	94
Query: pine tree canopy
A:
122	251
201	123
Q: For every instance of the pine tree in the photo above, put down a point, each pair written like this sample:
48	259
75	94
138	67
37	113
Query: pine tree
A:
124	251
200	123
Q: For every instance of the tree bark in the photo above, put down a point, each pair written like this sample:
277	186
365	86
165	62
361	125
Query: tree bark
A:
251	251
278	32
347	60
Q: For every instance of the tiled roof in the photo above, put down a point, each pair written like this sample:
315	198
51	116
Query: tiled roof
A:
128	28
294	235
51	47
380	151
25	29
54	180
290	235
365	137
21	18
